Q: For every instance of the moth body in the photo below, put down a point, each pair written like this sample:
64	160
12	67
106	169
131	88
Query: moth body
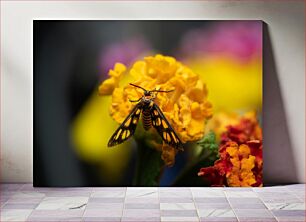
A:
146	119
151	115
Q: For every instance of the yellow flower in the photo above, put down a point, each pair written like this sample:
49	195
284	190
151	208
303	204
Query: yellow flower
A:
90	132
233	85
187	108
111	83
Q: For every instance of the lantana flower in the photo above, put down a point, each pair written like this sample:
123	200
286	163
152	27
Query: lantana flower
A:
186	108
227	125
240	152
247	129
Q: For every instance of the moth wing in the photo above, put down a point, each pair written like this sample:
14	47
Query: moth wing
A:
127	127
164	128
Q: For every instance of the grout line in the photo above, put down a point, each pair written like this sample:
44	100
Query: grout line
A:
5	202
225	194
123	207
294	194
266	205
87	202
195	204
37	203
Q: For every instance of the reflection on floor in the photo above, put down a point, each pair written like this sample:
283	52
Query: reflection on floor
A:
22	202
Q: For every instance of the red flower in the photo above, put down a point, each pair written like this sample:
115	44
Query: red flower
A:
248	129
212	174
240	162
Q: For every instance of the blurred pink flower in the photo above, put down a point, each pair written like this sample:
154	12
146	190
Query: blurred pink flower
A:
242	39
125	52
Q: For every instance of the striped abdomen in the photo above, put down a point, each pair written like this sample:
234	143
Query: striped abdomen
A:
146	119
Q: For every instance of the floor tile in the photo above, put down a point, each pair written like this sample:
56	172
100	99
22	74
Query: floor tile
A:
3	200
15	214
210	200
26	194
224	205
108	189
101	219
218	219
10	186
105	200
29	200
285	206
175	189
178	219
216	213
142	200
20	206
140	219
62	203
254	213
59	192
273	197
57	213
291	219
53	219
141	192
137	189
278	189
175	193
246	200
177	206
178	213
98	205
176	200
240	194
103	213
207	192
236	205
116	193
296	186
256	219
141	213
237	189
141	206
289	213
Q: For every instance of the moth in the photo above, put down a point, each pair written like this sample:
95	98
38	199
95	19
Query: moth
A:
151	116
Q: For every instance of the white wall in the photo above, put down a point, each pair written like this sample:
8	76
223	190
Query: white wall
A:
286	20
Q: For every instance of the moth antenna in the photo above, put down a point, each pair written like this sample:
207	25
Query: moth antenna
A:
166	91
138	86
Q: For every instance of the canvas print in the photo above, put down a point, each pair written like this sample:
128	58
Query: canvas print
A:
148	103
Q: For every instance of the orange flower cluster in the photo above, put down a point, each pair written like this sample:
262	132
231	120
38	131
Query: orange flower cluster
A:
240	162
186	108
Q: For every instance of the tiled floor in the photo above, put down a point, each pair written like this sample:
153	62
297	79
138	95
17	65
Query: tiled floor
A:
22	202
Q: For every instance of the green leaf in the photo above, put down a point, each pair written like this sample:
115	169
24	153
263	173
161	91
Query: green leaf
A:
208	143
